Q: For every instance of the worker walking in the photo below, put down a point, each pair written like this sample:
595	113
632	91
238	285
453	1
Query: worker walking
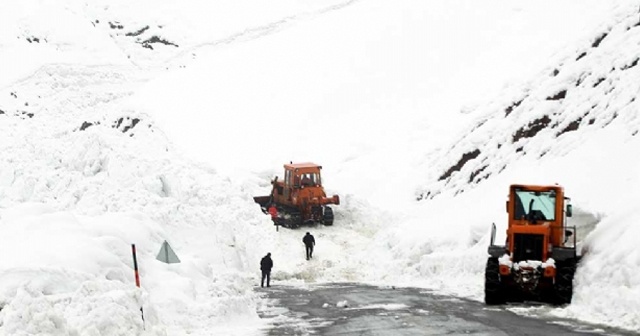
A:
265	266
309	243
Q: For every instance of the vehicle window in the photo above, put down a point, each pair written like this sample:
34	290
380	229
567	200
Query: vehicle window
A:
535	205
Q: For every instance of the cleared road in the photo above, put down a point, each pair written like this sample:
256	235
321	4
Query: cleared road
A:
354	309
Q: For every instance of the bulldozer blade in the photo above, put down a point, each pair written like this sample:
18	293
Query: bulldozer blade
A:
264	201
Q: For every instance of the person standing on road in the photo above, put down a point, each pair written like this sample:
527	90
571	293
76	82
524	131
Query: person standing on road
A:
266	264
309	243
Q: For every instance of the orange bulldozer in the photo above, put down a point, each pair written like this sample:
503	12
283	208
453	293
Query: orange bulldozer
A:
299	197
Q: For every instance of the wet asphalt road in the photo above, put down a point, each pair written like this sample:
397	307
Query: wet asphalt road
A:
374	310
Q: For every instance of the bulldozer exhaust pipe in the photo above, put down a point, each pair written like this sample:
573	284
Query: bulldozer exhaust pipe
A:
335	199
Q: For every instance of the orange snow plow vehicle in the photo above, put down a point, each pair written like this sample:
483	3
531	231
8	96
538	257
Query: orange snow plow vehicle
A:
539	257
299	197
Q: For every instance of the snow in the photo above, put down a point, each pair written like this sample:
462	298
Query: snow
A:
342	304
107	143
388	306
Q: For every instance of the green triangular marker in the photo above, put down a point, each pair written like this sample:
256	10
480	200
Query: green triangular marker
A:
167	255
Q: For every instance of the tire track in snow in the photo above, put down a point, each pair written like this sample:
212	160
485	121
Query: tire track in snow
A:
254	33
248	34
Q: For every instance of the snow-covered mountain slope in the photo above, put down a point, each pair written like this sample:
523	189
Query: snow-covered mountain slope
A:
105	106
594	88
386	89
145	34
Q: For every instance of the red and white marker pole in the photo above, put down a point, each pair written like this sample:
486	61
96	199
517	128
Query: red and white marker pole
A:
135	264
135	269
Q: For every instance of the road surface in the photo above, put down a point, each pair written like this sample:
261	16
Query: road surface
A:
355	309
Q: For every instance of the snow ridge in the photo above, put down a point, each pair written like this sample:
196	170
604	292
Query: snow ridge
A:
593	88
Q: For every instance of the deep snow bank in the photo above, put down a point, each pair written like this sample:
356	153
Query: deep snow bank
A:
97	184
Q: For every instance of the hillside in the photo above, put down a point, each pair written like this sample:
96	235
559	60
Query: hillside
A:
590	91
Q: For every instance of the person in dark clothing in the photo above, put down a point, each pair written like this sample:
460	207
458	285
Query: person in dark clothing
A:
265	266
306	181
309	243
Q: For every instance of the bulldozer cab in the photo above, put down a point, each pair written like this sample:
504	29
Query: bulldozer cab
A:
537	217
302	175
